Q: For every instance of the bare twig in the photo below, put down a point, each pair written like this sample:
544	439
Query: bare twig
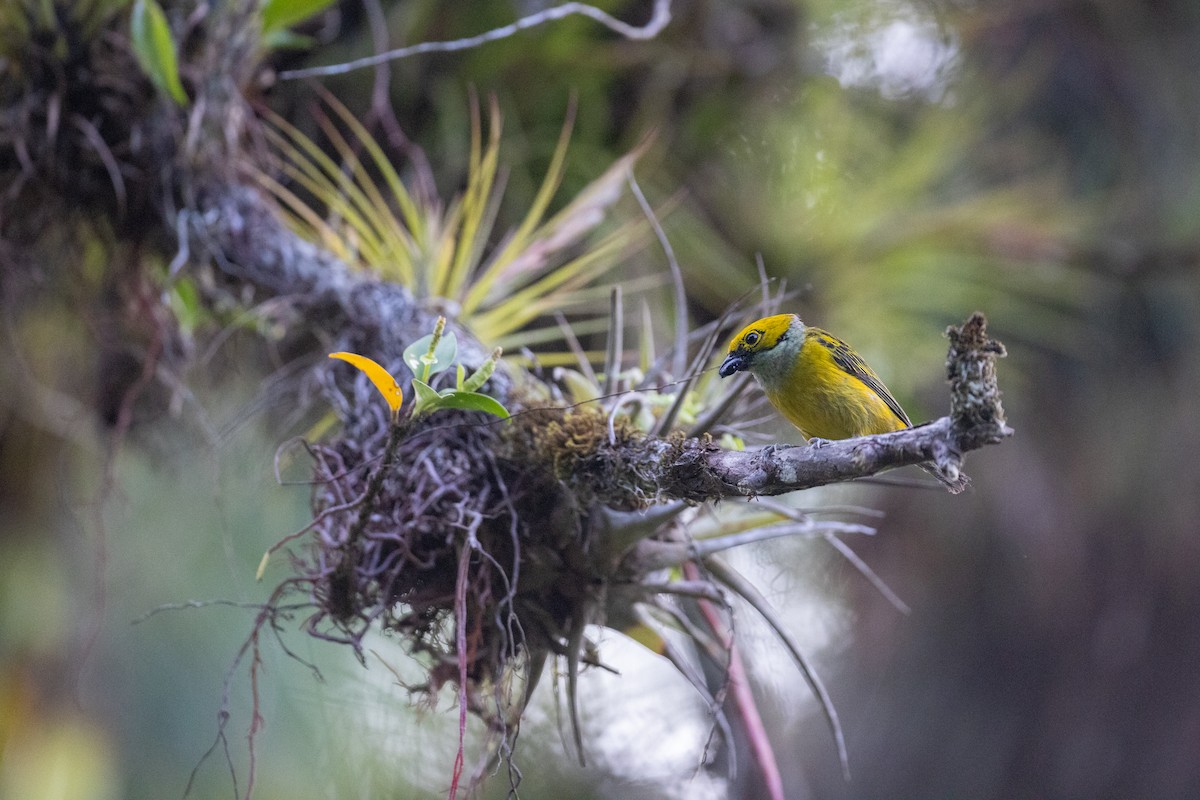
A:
830	535
460	648
681	318
865	570
585	366
574	653
383	112
616	340
652	555
658	20
105	154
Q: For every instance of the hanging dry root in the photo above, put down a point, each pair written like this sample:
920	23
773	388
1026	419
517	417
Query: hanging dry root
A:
390	535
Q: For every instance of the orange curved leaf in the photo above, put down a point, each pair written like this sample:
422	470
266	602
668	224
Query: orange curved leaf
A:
379	376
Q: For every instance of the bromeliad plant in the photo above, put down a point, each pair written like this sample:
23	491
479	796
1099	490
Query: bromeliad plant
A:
502	286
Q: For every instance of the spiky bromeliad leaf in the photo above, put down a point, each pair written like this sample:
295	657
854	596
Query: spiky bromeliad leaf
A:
360	226
531	250
442	250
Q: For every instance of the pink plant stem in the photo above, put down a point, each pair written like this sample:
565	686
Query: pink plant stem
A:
460	646
743	698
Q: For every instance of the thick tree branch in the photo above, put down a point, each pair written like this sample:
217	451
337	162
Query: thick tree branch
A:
697	470
702	471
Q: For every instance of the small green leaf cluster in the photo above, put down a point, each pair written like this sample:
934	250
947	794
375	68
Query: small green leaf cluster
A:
426	357
435	353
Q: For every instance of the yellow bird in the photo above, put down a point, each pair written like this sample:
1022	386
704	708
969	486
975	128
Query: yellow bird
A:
818	383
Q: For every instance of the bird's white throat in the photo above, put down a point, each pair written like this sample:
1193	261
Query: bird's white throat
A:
774	367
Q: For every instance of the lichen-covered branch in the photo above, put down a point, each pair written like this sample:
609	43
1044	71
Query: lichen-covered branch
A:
700	471
697	470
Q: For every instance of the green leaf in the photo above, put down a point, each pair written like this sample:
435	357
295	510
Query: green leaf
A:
427	396
184	300
155	49
443	355
472	401
278	14
429	399
480	376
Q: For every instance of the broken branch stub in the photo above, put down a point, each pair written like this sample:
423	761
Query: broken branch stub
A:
975	408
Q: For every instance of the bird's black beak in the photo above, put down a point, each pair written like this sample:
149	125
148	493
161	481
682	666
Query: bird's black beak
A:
734	362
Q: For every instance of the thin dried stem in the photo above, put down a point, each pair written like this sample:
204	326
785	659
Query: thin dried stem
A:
681	315
658	20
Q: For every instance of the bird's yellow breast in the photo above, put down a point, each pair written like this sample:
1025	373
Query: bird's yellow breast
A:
825	401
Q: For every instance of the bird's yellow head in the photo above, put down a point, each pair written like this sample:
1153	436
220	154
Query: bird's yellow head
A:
766	347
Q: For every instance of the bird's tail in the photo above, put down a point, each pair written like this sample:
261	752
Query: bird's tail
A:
953	484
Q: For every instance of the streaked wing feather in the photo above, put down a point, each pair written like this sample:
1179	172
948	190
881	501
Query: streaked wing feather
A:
851	363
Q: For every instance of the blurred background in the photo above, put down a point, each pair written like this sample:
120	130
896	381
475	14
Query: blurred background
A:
901	164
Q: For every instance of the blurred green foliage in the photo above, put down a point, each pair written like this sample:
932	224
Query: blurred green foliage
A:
26	25
150	36
279	15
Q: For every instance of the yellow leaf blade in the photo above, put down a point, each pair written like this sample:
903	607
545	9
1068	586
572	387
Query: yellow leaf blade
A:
379	376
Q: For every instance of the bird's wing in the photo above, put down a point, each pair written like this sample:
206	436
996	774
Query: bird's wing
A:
851	363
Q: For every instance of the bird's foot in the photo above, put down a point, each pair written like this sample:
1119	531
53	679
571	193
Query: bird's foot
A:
817	444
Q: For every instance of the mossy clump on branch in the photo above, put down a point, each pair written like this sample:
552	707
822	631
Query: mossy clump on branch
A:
587	449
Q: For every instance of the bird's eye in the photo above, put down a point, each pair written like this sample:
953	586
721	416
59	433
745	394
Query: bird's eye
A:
752	338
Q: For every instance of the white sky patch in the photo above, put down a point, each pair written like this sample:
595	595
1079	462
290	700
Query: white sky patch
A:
647	724
899	50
